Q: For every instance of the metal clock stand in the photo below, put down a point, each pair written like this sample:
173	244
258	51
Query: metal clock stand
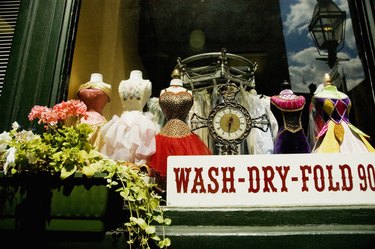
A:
229	123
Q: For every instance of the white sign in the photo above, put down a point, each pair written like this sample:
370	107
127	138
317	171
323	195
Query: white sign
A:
271	180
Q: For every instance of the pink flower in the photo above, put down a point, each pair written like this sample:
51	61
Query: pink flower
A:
70	108
59	113
44	114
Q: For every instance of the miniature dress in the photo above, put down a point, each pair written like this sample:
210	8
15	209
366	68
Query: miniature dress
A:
131	137
261	138
291	137
175	138
201	107
336	134
95	94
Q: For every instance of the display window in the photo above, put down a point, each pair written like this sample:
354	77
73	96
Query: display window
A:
153	37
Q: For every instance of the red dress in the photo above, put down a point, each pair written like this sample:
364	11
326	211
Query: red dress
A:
175	138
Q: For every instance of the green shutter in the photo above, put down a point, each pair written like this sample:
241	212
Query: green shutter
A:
40	59
8	19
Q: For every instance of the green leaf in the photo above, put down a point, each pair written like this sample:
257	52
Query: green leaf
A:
164	243
167	221
141	222
89	171
64	173
150	229
159	219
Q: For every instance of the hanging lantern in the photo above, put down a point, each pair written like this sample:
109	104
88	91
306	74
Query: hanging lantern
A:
327	29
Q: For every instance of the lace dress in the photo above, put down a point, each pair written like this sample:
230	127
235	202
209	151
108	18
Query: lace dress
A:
291	137
175	138
131	137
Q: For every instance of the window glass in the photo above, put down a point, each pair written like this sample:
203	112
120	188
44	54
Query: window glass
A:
304	67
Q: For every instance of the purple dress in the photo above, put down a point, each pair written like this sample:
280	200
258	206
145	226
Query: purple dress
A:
291	137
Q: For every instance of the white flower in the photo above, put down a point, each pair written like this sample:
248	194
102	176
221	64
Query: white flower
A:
11	158
29	135
5	138
15	126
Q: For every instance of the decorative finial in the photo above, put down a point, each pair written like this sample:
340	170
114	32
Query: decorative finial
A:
176	74
327	80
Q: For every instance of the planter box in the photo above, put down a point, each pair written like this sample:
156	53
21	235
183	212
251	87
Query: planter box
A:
40	202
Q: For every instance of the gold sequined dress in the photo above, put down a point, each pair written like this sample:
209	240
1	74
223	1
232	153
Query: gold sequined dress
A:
175	138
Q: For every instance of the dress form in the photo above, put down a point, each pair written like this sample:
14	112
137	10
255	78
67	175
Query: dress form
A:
134	92
176	85
95	94
175	137
131	137
335	132
291	137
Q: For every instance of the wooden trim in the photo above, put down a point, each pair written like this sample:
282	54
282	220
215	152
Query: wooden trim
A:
40	58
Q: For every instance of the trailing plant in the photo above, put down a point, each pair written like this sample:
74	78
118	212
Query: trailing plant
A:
64	149
142	202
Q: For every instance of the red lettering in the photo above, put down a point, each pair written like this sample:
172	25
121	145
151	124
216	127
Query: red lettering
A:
330	178
254	179
182	179
347	178
228	179
371	176
305	178
362	176
211	172
319	177
198	181
283	172
268	179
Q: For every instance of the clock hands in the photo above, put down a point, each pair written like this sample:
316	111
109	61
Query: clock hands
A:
229	125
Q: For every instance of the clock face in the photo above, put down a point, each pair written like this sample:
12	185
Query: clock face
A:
229	122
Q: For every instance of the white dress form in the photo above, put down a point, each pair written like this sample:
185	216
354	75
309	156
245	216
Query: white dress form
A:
131	137
134	92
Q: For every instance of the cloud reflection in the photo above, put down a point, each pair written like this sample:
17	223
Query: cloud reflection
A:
304	68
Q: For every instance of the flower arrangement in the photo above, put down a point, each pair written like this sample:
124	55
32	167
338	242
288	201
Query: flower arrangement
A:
63	149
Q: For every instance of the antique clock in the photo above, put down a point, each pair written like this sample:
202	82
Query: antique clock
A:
229	123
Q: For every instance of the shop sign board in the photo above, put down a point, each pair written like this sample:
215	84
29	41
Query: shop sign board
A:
271	180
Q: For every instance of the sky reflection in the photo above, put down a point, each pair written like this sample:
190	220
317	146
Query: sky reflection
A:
304	68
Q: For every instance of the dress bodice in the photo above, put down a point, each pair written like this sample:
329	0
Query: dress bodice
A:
134	94
175	137
94	99
291	137
176	105
336	110
335	133
291	107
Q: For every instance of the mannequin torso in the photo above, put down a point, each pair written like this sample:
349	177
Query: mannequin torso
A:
176	86
134	92
131	136
95	95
